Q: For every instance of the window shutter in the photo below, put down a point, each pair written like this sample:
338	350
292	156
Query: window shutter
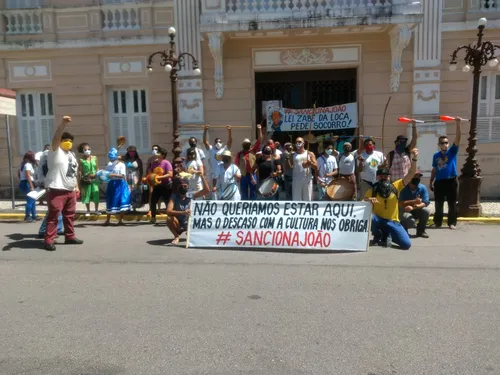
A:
495	130
46	126
25	135
484	94
141	131
120	127
483	129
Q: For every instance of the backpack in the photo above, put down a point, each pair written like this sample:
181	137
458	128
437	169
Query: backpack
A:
391	155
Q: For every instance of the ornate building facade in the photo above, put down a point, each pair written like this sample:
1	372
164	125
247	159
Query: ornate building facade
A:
88	59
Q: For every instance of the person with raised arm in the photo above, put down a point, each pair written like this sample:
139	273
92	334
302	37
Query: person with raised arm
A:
245	160
215	151
61	182
384	195
302	161
444	177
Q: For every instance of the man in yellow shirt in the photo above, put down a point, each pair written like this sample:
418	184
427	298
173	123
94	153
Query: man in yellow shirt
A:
384	197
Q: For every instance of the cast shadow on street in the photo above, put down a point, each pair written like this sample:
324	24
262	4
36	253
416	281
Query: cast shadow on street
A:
24	242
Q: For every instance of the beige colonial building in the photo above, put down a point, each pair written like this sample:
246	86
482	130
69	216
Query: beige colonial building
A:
88	59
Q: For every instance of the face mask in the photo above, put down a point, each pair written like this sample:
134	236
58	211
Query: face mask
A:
347	149
246	146
67	145
192	156
155	152
299	144
226	160
131	154
183	190
329	152
267	151
87	152
218	145
400	147
369	148
415	181
192	144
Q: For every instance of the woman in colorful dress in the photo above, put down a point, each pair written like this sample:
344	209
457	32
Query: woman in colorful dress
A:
133	163
117	193
195	168
89	185
27	184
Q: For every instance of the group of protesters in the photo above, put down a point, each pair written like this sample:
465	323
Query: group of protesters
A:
391	183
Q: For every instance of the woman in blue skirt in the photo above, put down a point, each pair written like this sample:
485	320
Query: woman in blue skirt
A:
117	193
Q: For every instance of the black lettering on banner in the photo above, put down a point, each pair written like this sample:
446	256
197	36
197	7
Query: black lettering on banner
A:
353	225
280	223
205	208
239	222
218	223
339	209
202	223
302	223
267	222
328	224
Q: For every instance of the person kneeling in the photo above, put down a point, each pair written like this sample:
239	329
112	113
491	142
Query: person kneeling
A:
179	207
384	197
413	202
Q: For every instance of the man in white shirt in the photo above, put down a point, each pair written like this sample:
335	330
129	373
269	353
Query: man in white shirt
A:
327	170
38	155
216	150
61	182
369	161
200	155
347	165
302	161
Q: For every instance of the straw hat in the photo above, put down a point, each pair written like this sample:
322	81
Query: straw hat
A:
227	153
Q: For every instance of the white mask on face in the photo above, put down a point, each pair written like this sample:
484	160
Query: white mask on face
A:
155	152
329	152
218	145
87	152
299	145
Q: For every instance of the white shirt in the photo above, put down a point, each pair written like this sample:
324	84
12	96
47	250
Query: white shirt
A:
326	165
116	167
226	177
38	155
214	163
195	181
39	177
27	167
347	164
200	155
370	165
63	167
299	172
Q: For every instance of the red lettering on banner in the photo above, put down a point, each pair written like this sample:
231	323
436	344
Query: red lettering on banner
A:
319	239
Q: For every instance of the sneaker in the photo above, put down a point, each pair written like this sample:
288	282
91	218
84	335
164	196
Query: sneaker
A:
387	243
87	214
423	235
153	220
453	227
97	213
374	243
74	241
49	247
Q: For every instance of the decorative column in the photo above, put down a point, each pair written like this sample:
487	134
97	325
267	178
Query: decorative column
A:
215	42
426	82
400	37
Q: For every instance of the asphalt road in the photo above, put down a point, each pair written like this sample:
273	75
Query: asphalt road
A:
125	303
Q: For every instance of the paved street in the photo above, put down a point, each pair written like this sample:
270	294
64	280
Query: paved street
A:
125	303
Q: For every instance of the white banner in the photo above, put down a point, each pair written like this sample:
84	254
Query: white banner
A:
7	106
337	226
338	117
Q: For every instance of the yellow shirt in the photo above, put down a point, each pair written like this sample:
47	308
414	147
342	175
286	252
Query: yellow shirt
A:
387	210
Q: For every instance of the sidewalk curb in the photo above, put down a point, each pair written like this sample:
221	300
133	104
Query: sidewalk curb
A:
144	217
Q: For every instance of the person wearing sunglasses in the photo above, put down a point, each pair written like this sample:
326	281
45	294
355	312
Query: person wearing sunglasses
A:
444	177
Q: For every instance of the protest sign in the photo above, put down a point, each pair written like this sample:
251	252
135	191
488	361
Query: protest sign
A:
337	117
325	225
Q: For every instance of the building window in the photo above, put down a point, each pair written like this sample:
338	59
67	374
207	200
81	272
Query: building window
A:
23	4
128	117
488	122
35	113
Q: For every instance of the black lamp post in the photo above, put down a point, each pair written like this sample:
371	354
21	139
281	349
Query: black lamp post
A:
172	64
476	56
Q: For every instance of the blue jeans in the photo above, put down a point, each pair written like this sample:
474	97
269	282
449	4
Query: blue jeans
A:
43	227
382	228
30	209
246	186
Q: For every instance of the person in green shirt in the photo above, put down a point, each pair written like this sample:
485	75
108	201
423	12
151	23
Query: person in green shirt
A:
88	182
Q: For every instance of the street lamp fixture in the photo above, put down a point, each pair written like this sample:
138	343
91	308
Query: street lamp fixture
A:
173	63
476	56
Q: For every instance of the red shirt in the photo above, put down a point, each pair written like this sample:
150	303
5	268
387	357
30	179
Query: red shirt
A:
253	149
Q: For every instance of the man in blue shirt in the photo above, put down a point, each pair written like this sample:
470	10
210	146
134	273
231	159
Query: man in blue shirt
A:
413	202
444	178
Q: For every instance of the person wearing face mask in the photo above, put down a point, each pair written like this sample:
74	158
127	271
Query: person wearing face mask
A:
413	202
398	160
117	192
386	227
227	178
327	169
164	188
195	169
268	166
89	184
444	177
200	155
288	173
179	207
302	161
62	184
217	149
369	161
245	159
133	163
347	165
155	155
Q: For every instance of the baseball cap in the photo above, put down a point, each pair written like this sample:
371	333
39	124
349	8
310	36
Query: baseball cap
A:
418	173
383	171
246	140
401	138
